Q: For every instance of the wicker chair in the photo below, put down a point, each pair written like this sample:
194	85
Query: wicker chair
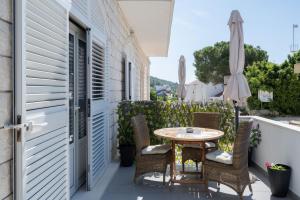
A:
203	120
148	158
235	172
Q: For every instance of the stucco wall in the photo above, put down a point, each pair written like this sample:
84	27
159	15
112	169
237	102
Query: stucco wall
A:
5	98
107	17
280	144
121	42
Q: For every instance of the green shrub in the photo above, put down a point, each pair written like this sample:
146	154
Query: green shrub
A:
277	78
161	114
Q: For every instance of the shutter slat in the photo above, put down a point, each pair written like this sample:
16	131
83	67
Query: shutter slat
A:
98	67
45	82
98	141
46	75
46	60
45	89
44	104
35	172
45	68
42	155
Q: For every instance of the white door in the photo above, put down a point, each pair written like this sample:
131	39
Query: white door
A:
42	100
97	138
77	106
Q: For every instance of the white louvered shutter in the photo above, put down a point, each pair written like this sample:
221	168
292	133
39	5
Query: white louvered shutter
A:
42	96
97	142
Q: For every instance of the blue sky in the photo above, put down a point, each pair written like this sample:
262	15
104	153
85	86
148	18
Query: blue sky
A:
200	23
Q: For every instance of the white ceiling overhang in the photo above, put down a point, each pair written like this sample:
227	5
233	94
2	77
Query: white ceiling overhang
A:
151	21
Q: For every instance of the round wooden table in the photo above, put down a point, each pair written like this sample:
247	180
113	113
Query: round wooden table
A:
181	136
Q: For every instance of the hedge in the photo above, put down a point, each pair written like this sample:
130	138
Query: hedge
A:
160	114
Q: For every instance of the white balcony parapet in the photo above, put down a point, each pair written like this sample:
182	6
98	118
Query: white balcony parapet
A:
280	144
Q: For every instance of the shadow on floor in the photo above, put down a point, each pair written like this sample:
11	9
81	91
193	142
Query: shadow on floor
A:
150	187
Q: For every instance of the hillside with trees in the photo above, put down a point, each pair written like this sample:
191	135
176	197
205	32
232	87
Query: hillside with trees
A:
154	94
157	81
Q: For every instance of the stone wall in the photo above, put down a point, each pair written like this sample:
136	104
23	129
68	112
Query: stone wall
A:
6	139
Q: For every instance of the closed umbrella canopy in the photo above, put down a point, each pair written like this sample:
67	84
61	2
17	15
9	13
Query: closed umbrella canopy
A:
237	88
181	92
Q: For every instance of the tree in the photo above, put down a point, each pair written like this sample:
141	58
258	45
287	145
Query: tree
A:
153	95
277	78
212	62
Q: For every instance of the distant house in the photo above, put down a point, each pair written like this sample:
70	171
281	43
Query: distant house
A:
217	97
163	90
198	91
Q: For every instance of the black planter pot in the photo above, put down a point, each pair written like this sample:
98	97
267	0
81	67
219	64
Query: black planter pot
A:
127	154
250	150
280	181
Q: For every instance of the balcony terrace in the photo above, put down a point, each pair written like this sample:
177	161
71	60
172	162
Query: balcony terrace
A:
150	188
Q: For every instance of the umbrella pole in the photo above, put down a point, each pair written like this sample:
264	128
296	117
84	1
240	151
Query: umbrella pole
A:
237	110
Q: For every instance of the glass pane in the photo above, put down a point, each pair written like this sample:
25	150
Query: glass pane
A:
82	89
71	88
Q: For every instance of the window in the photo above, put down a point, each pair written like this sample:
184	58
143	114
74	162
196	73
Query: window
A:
126	79
123	79
129	81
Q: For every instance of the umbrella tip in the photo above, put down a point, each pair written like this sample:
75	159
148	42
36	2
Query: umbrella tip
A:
235	17
235	11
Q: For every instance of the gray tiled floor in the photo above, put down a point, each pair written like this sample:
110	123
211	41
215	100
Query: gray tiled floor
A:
151	188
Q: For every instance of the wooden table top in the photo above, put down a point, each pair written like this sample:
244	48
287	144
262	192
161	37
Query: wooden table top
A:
180	134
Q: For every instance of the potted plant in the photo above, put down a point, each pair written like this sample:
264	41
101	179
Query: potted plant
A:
279	177
125	137
255	139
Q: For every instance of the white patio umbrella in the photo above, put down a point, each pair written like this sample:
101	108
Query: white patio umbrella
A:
237	88
181	92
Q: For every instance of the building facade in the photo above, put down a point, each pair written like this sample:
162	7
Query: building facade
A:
65	66
6	99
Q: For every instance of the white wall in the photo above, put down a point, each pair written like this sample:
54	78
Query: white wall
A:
280	144
121	42
103	15
213	90
6	99
200	92
107	17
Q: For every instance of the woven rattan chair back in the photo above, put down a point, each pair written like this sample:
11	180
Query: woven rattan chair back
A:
241	145
207	120
141	132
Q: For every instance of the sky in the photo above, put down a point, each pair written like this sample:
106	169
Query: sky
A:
201	23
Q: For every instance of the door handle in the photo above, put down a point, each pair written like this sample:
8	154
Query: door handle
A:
13	126
41	124
30	125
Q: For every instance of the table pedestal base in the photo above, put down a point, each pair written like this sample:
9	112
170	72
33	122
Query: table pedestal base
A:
201	180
